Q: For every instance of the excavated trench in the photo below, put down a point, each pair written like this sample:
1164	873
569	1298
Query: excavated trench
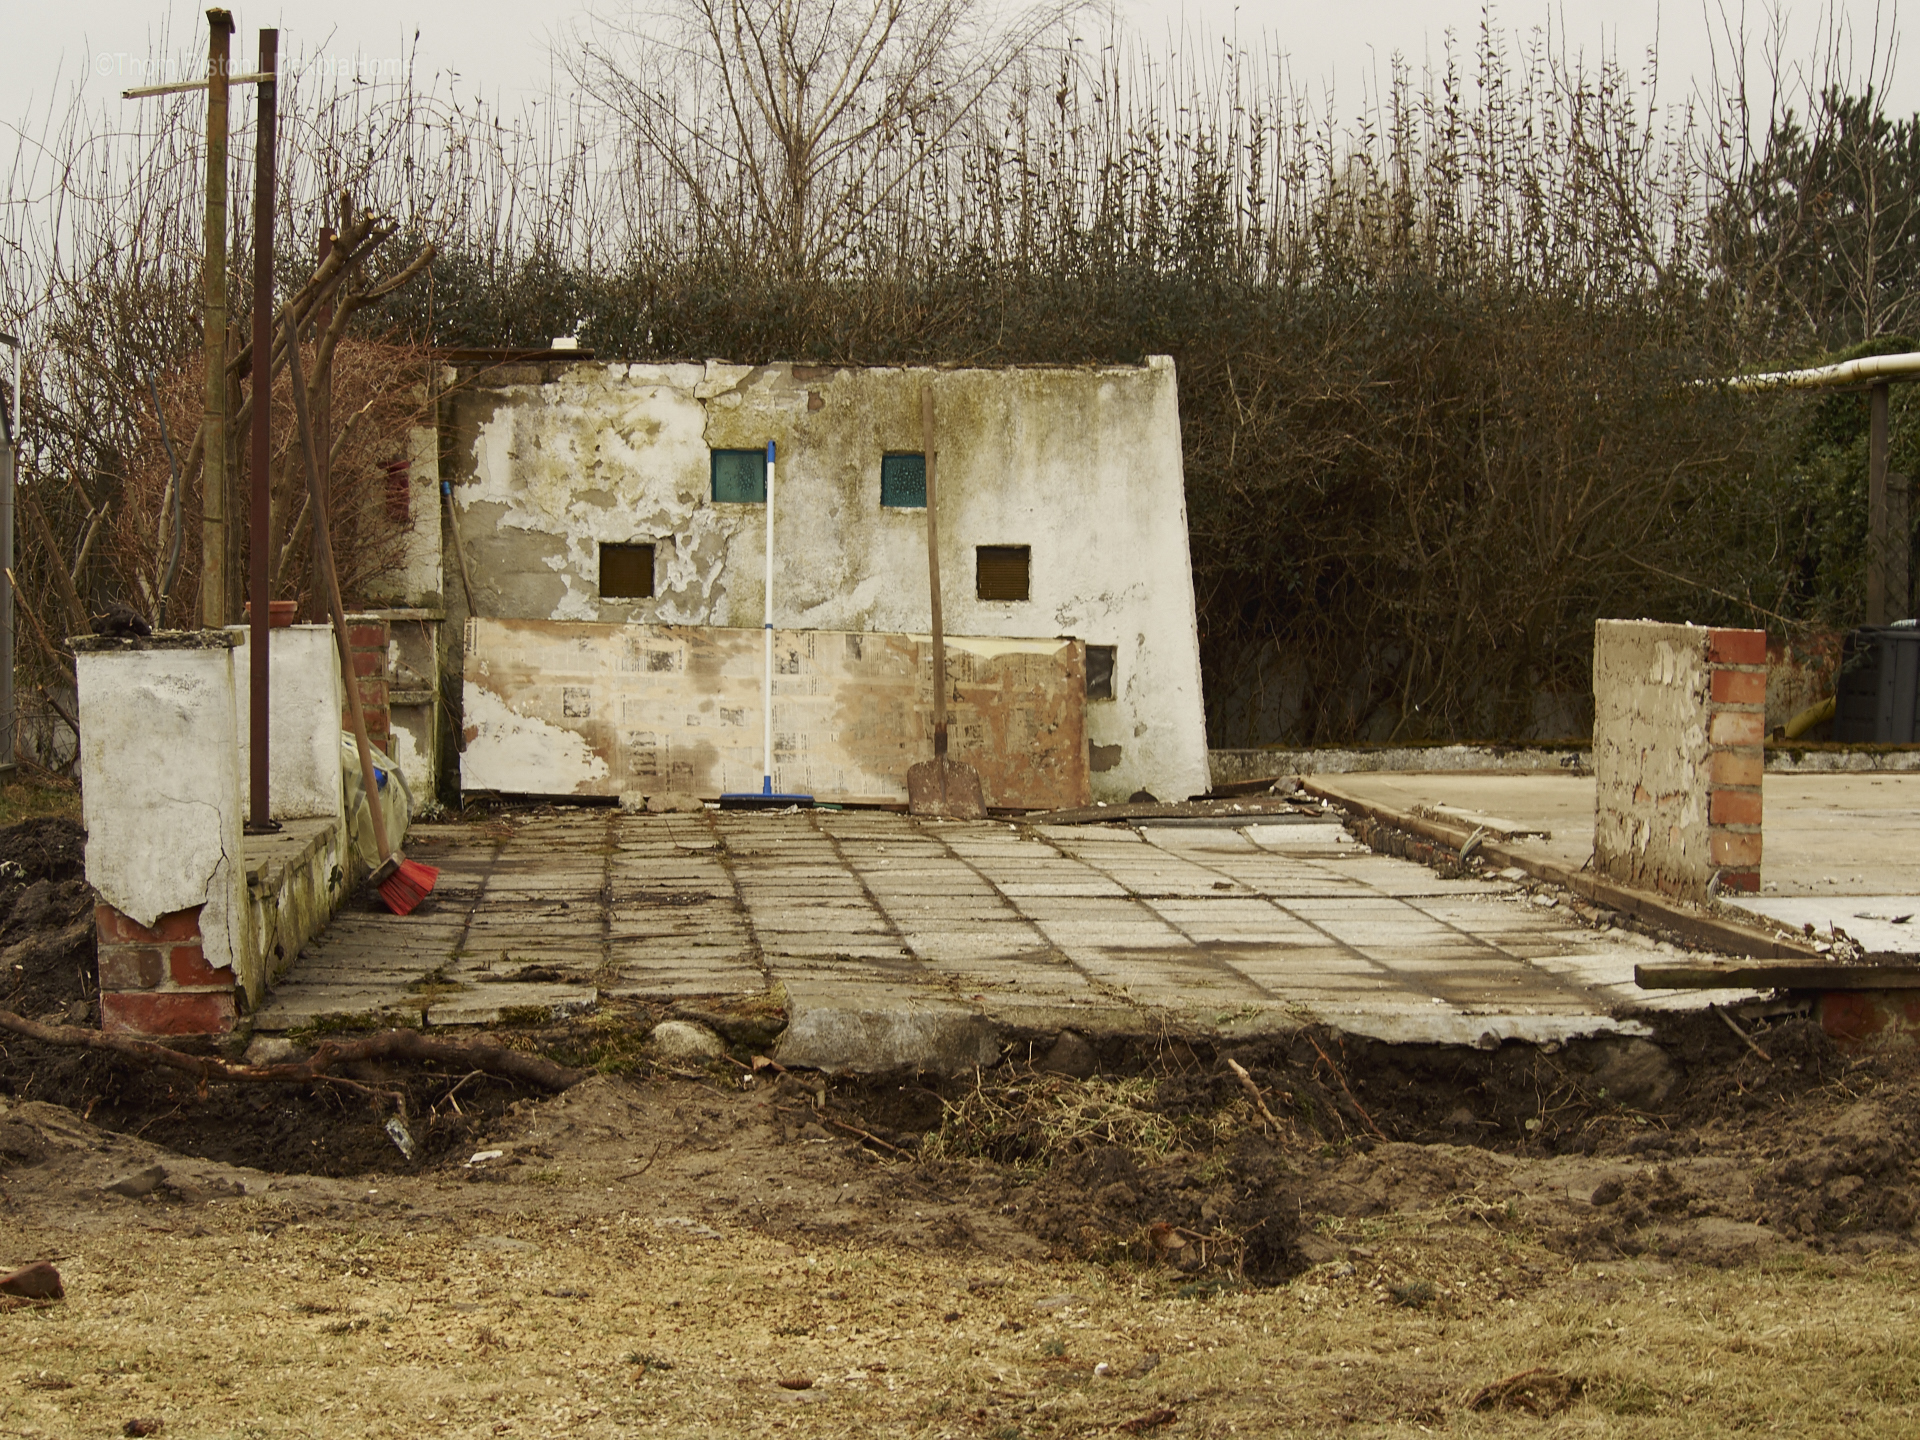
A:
1222	1157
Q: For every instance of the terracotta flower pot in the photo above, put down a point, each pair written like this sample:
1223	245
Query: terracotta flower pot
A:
280	613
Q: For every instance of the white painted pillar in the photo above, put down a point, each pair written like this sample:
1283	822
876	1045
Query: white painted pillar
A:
162	803
303	721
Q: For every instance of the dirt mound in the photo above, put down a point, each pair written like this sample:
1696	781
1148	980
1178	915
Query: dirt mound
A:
47	950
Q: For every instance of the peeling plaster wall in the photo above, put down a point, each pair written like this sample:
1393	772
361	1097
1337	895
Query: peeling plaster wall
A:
162	799
1082	465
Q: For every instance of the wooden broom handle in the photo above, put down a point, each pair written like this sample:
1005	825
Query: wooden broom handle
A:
933	576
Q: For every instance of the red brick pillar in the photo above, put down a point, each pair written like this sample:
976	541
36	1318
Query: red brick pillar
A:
1736	733
156	981
367	640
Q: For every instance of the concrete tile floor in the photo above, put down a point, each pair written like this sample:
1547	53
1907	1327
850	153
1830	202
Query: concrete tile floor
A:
1091	927
1841	849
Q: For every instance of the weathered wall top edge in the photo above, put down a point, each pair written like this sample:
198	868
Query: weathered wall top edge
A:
162	640
512	377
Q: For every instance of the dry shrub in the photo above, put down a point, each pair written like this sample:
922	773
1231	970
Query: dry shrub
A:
376	404
1028	1118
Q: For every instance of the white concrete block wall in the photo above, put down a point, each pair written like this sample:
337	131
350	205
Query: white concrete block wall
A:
305	698
1081	465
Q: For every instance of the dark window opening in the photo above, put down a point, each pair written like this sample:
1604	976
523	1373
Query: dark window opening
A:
1001	571
903	481
399	491
626	572
1100	660
740	477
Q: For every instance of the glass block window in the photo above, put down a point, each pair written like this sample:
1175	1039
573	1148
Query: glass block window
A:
740	477
626	572
903	481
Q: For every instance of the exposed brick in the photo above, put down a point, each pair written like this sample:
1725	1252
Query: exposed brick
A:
374	637
130	967
168	1012
1740	687
369	662
1734	807
1851	1016
1730	767
188	966
1741	881
113	926
1735	849
1736	727
1737	647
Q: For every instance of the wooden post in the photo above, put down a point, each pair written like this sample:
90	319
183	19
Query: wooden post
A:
1879	542
213	276
260	543
322	417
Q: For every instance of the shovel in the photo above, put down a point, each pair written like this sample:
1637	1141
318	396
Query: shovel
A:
940	787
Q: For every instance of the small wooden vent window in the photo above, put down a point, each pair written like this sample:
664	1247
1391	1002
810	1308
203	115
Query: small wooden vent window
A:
626	572
1100	662
1001	571
740	477
903	481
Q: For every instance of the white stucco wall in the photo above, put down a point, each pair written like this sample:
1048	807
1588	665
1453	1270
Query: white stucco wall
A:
304	698
1082	465
162	799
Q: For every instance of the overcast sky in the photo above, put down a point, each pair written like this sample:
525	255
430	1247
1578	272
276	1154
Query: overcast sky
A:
501	48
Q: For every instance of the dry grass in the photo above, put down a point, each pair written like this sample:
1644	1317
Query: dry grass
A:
29	794
1033	1118
597	1326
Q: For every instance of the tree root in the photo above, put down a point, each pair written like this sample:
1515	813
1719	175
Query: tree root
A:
411	1045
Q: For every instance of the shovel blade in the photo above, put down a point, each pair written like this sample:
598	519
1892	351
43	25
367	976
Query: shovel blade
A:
949	789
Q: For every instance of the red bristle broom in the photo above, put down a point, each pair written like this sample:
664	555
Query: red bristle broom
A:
402	883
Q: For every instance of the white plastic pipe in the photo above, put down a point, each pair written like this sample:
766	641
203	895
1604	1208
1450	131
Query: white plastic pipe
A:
1867	370
766	770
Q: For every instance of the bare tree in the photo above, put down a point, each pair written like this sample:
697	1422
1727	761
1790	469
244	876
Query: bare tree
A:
784	126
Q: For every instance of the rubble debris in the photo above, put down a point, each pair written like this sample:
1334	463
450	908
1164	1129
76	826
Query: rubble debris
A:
38	1281
139	1183
684	1040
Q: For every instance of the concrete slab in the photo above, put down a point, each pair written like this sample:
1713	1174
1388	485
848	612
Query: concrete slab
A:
1826	834
900	942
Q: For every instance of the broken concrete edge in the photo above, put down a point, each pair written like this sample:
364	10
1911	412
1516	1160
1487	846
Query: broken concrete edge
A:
888	1033
1698	927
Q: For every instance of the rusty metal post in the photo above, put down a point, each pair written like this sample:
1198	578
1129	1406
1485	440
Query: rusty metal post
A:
261	540
213	279
1878	547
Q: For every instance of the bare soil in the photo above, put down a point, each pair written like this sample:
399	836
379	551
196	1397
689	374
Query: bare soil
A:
1100	1236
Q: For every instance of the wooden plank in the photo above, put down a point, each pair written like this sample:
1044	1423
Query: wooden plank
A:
584	708
1891	974
1698	927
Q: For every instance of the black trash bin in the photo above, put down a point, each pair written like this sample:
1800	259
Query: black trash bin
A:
1878	701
